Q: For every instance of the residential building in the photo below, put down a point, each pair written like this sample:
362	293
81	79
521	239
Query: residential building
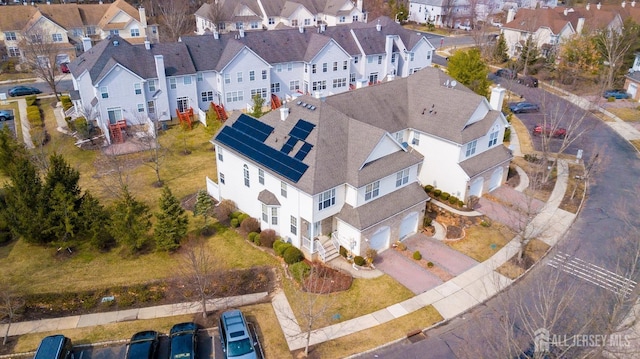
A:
632	79
229	69
234	15
68	24
354	164
453	13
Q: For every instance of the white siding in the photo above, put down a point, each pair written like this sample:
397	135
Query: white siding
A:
385	146
331	53
244	62
440	167
120	86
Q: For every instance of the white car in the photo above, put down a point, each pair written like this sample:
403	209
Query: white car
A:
464	27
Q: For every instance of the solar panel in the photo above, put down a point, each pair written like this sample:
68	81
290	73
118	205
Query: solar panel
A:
288	167
252	127
288	146
303	151
302	129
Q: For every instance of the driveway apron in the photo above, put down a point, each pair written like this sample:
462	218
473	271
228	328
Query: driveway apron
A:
409	274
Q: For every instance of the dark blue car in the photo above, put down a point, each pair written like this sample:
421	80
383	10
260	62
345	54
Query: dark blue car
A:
23	90
617	94
183	341
143	345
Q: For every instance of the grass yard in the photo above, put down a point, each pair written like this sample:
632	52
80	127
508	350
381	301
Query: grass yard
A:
636	144
480	242
365	296
524	137
575	192
628	114
376	336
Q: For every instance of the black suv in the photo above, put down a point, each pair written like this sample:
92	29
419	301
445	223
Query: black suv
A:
528	81
183	341
507	74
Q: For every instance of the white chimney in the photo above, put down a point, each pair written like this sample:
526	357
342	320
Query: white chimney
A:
588	6
624	3
378	26
143	17
216	35
316	94
241	33
580	25
147	44
566	11
598	6
323	27
284	112
301	29
390	77
511	14
160	70
633	3
86	43
497	98
359	5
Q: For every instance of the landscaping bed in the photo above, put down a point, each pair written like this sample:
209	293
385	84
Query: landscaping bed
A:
514	268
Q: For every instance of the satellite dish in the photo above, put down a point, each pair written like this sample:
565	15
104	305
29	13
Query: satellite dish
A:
454	83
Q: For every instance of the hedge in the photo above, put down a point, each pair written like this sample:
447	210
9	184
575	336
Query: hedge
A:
299	270
292	255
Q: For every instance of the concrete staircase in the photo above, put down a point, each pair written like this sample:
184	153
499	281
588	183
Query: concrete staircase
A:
330	250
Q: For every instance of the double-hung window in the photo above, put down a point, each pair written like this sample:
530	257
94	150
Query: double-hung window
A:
326	199
402	177
493	138
372	190
137	89
471	148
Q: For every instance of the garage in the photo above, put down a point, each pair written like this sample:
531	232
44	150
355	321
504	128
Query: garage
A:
496	179
409	225
632	90
380	239
476	187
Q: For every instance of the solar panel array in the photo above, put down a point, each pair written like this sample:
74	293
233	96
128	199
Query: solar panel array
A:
247	136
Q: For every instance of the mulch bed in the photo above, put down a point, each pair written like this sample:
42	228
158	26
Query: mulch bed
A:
324	280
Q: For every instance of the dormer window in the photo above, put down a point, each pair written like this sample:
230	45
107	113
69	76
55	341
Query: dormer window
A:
471	148
493	138
372	190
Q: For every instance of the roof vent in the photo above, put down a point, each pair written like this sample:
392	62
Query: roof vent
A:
115	43
299	103
304	104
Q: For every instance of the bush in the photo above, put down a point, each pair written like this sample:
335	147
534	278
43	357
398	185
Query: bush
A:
417	256
235	223
507	135
611	99
251	236
277	244
300	270
428	188
453	200
281	248
444	196
371	255
426	222
66	102
485	224
437	192
430	264
359	260
343	251
250	225
224	209
256	240
292	255
236	215
242	217
31	100
268	237
401	246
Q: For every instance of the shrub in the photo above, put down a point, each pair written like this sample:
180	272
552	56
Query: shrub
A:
250	225
485	223
444	196
251	236
371	255
66	102
242	217
611	99
235	223
299	270
359	260
277	244
268	237
31	100
256	240
282	248
427	221
507	135
292	255
401	246
453	200
428	188
224	209
343	251
437	192
236	215
430	264
417	256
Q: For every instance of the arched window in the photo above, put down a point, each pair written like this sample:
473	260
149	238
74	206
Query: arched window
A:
246	176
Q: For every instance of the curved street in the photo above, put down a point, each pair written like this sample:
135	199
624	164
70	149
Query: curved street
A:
604	236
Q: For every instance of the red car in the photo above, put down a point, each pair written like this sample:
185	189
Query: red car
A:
549	130
64	67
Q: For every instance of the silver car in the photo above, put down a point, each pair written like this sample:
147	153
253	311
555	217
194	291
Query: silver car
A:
6	115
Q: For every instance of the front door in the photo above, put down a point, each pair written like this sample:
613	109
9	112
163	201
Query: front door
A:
317	229
183	104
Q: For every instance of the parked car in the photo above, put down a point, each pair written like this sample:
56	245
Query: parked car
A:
507	73
183	341
617	94
143	345
23	90
549	130
528	81
6	115
64	68
54	347
464	27
523	107
235	337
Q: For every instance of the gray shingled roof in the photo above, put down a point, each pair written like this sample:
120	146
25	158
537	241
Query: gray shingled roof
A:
100	59
487	159
367	215
268	198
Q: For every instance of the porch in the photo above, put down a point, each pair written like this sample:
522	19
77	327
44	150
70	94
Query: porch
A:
325	247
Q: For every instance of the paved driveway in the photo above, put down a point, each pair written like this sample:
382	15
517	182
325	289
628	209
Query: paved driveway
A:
413	276
509	207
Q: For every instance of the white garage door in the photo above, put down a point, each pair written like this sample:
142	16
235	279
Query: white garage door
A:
409	225
380	240
632	90
476	187
496	179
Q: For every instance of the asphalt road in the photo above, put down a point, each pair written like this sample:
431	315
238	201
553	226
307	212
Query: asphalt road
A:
65	85
605	234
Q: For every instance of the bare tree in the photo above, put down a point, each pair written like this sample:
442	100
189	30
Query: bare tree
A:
613	45
177	17
215	13
10	305
40	48
151	142
197	270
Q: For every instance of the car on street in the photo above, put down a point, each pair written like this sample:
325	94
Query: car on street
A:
143	345
64	68
507	73
6	115
183	341
528	81
617	94
549	130
523	107
23	90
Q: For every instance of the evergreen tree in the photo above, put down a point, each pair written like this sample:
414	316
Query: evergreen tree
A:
529	55
10	150
130	221
500	50
172	222
256	109
203	206
468	68
61	200
93	219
